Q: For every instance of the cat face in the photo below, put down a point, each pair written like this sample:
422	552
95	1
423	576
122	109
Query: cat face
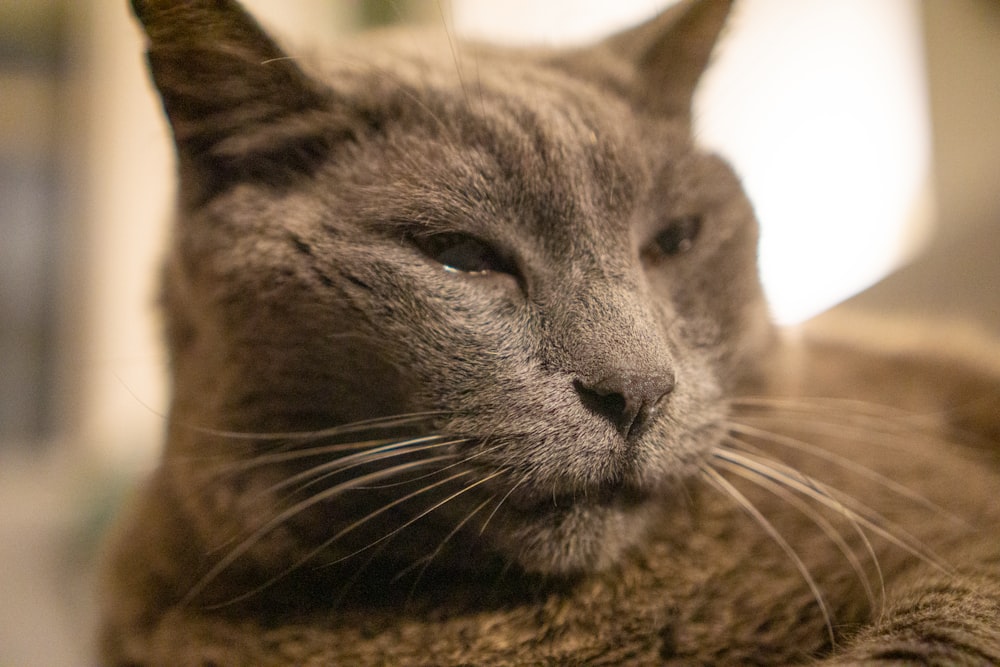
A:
522	251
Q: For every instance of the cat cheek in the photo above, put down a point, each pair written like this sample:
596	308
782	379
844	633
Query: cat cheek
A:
701	332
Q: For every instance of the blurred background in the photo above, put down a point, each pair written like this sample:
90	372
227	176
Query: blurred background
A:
868	134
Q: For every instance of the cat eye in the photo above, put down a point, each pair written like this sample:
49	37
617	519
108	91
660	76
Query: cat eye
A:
461	253
679	235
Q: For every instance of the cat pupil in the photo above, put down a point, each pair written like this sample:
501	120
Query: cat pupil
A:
679	235
461	253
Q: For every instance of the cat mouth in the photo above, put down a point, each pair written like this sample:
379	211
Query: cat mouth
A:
568	533
619	495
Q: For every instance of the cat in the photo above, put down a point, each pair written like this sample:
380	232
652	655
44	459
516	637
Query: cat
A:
471	365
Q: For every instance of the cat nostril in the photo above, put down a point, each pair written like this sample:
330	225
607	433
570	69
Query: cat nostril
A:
628	400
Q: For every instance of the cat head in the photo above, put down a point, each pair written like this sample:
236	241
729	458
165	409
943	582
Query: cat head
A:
522	251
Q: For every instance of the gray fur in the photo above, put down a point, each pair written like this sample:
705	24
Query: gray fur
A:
575	415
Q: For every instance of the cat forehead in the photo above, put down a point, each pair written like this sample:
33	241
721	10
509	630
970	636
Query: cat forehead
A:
431	73
556	135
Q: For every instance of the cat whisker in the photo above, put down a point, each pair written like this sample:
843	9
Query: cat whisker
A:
329	469
326	543
375	423
876	423
479	81
416	517
356	575
454	53
510	492
317	474
872	422
447	132
885	432
323	471
825	404
406	88
833	500
269	459
841	461
778	489
234	554
721	484
353	526
824	525
463	461
355	484
428	559
929	420
290	444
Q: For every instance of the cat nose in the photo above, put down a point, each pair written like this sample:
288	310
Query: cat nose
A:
629	400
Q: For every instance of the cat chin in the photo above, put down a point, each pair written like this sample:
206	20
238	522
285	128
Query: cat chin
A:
572	534
576	538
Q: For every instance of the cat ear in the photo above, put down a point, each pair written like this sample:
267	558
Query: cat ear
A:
229	91
671	52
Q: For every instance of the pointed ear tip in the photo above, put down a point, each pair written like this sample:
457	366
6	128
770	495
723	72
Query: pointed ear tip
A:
719	8
143	8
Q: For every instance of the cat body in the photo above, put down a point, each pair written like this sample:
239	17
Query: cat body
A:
472	366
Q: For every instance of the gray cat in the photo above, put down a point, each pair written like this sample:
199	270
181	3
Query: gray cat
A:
471	366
